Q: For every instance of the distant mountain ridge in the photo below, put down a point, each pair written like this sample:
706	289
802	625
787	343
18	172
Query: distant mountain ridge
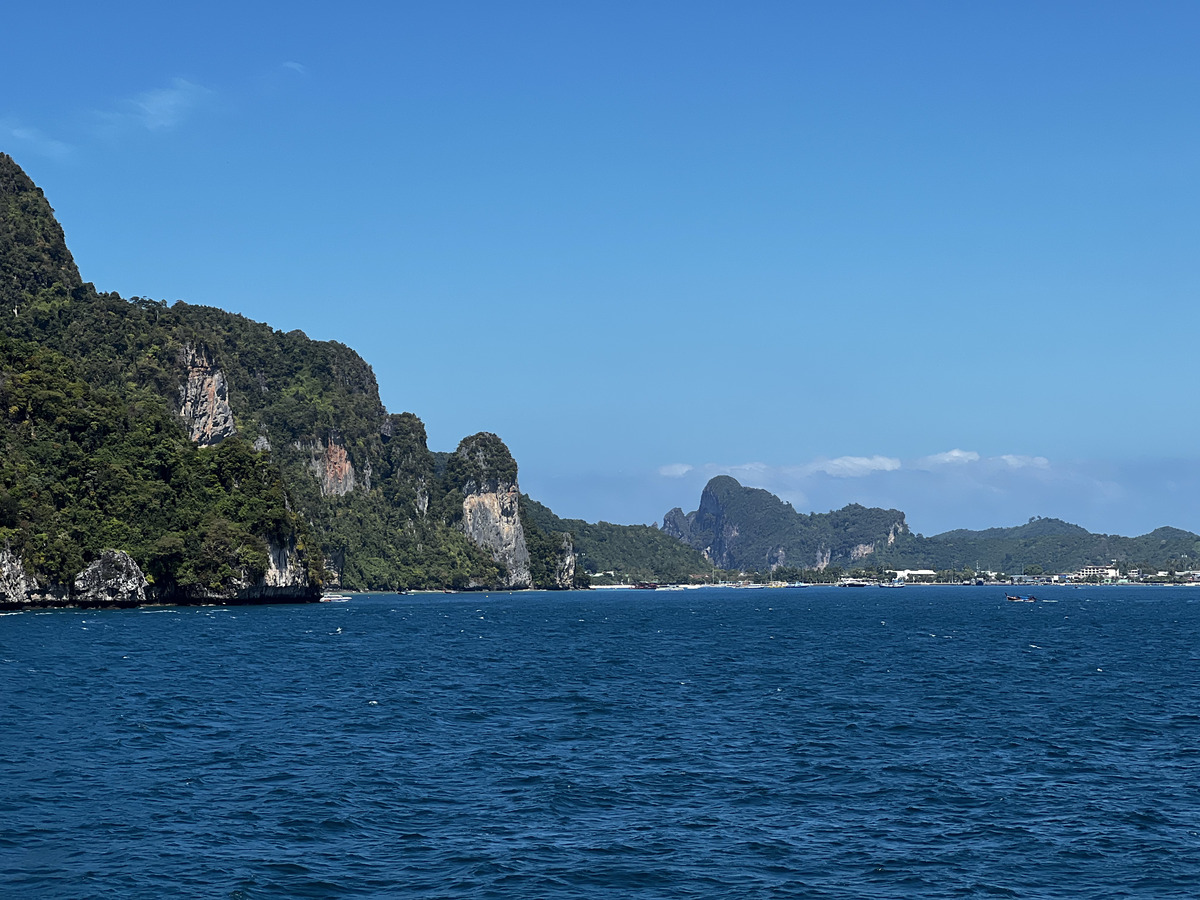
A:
738	527
751	529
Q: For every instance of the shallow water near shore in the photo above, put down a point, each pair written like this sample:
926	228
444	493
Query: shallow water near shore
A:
817	742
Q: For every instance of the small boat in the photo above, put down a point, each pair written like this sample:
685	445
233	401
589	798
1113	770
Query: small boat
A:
1020	599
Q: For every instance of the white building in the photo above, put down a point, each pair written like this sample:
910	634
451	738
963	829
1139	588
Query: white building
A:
1104	573
916	575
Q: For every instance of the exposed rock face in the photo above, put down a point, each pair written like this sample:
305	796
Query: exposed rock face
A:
112	580
331	465
487	476
284	581
564	572
14	583
858	551
204	399
492	520
285	568
678	525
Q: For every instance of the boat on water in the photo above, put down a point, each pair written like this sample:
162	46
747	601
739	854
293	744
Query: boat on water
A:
1020	599
334	598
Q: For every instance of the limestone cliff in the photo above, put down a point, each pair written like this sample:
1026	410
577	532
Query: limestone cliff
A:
330	464
564	572
284	580
204	398
14	583
485	472
113	579
285	568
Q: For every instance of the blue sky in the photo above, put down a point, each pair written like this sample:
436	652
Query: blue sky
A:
937	256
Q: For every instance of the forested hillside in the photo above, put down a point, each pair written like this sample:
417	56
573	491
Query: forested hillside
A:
195	439
634	552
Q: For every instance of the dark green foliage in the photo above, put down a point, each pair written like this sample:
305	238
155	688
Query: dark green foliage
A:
34	259
641	552
481	463
1047	544
85	468
548	547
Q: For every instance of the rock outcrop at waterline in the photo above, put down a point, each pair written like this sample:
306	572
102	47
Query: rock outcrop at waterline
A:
14	583
112	580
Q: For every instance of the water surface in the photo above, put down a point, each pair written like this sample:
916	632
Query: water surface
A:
823	742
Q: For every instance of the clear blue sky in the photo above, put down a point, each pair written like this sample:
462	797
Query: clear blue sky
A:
941	256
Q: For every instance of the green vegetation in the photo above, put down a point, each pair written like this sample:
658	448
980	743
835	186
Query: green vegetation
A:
317	456
631	552
85	468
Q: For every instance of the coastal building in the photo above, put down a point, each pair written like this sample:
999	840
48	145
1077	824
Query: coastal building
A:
916	575
1104	573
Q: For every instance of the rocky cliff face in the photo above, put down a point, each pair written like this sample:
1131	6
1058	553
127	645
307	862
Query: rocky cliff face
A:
285	568
14	583
285	580
204	398
678	525
485	472
330	464
112	580
492	520
564	572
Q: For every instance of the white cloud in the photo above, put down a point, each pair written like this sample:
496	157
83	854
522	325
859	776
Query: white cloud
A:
852	466
1025	462
674	470
34	140
954	457
295	67
159	109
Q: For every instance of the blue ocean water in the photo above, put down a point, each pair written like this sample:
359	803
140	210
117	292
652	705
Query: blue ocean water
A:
822	742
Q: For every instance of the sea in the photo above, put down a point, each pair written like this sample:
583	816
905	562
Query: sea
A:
814	742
